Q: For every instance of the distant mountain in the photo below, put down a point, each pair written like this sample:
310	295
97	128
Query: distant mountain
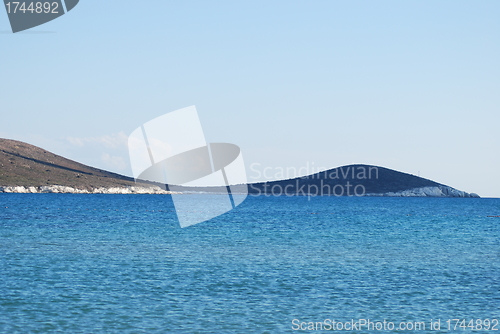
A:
23	165
358	180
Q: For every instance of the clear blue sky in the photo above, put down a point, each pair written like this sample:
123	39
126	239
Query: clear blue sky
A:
409	85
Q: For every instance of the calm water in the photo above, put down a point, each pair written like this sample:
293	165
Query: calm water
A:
121	264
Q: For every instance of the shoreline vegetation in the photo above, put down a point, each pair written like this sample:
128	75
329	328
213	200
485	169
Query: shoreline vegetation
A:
25	168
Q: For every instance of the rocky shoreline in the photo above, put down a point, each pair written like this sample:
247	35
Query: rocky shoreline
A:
57	189
442	191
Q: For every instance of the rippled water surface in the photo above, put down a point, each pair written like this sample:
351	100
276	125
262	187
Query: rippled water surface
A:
121	264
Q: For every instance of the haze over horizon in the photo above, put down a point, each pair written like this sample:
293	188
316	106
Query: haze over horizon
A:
408	86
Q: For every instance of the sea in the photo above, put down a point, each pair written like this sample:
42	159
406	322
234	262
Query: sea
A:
80	263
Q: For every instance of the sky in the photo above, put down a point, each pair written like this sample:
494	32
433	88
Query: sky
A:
408	85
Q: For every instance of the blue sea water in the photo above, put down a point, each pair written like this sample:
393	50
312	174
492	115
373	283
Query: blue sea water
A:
121	264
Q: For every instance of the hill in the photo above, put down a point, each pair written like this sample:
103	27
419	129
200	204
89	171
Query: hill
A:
358	180
25	165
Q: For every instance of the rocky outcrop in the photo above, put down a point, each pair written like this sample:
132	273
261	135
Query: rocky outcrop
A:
57	189
439	191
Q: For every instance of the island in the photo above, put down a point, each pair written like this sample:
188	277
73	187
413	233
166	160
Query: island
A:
25	168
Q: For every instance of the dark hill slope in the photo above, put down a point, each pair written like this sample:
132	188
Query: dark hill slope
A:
346	181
